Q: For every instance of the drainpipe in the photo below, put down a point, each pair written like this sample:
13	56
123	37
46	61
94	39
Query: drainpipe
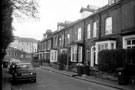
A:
99	27
83	56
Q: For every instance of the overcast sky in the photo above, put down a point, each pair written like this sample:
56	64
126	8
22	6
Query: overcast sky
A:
51	12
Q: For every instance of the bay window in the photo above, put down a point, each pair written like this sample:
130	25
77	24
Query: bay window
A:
129	41
104	45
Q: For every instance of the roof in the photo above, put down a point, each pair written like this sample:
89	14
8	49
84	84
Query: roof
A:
23	39
87	9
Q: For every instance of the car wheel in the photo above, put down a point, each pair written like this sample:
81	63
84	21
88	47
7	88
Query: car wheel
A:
34	80
14	81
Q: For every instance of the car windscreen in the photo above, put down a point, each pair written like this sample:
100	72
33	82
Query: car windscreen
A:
24	67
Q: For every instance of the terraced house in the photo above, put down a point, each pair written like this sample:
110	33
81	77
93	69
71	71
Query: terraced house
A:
109	27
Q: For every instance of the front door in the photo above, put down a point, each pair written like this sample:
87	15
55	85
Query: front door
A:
93	56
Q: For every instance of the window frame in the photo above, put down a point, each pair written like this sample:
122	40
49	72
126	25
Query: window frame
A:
79	33
74	53
68	38
95	29
108	27
89	30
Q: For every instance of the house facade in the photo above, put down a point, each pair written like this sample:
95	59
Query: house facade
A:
22	49
28	45
17	54
44	46
109	27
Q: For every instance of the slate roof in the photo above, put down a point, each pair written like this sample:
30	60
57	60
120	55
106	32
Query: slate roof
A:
23	39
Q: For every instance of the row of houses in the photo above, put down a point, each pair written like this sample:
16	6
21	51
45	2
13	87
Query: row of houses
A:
109	27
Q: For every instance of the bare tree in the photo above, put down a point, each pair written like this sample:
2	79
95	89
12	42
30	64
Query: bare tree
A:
18	9
26	9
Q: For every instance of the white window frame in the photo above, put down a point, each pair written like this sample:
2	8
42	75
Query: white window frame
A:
79	35
53	55
21	55
68	38
88	30
60	41
74	53
95	29
125	38
108	25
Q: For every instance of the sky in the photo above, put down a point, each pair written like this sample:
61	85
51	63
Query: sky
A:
51	12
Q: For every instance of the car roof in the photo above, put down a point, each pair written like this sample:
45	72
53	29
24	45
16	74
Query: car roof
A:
22	63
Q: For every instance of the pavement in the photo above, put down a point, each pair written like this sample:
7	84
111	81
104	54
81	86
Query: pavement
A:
5	80
91	79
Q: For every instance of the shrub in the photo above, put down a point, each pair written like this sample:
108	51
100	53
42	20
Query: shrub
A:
110	60
62	59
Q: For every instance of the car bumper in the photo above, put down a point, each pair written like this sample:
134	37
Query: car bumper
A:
18	78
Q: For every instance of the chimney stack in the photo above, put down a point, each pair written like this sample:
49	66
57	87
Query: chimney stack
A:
90	9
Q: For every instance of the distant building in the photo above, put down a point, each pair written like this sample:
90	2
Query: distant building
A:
28	45
17	54
21	48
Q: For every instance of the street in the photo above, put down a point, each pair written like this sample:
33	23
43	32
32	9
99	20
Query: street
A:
47	80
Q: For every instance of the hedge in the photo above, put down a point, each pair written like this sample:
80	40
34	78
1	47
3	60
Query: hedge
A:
110	60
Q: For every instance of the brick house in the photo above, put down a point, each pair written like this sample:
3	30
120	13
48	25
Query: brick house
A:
115	28
45	46
109	27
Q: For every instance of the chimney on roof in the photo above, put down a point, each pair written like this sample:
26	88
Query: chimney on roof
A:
90	9
47	34
110	2
61	25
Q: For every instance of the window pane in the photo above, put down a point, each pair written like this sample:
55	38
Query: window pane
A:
128	47
128	42
88	31
79	33
106	46
94	29
99	47
133	41
108	27
112	45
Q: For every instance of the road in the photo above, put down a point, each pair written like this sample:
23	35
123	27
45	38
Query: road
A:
47	80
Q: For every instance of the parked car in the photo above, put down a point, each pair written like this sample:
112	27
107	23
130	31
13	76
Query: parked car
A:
23	71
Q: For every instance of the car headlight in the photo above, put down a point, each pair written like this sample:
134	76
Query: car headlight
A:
15	74
32	73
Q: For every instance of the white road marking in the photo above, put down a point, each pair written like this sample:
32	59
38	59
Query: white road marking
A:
50	71
38	68
91	88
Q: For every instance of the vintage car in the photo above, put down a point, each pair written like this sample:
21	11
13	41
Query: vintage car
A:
23	71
